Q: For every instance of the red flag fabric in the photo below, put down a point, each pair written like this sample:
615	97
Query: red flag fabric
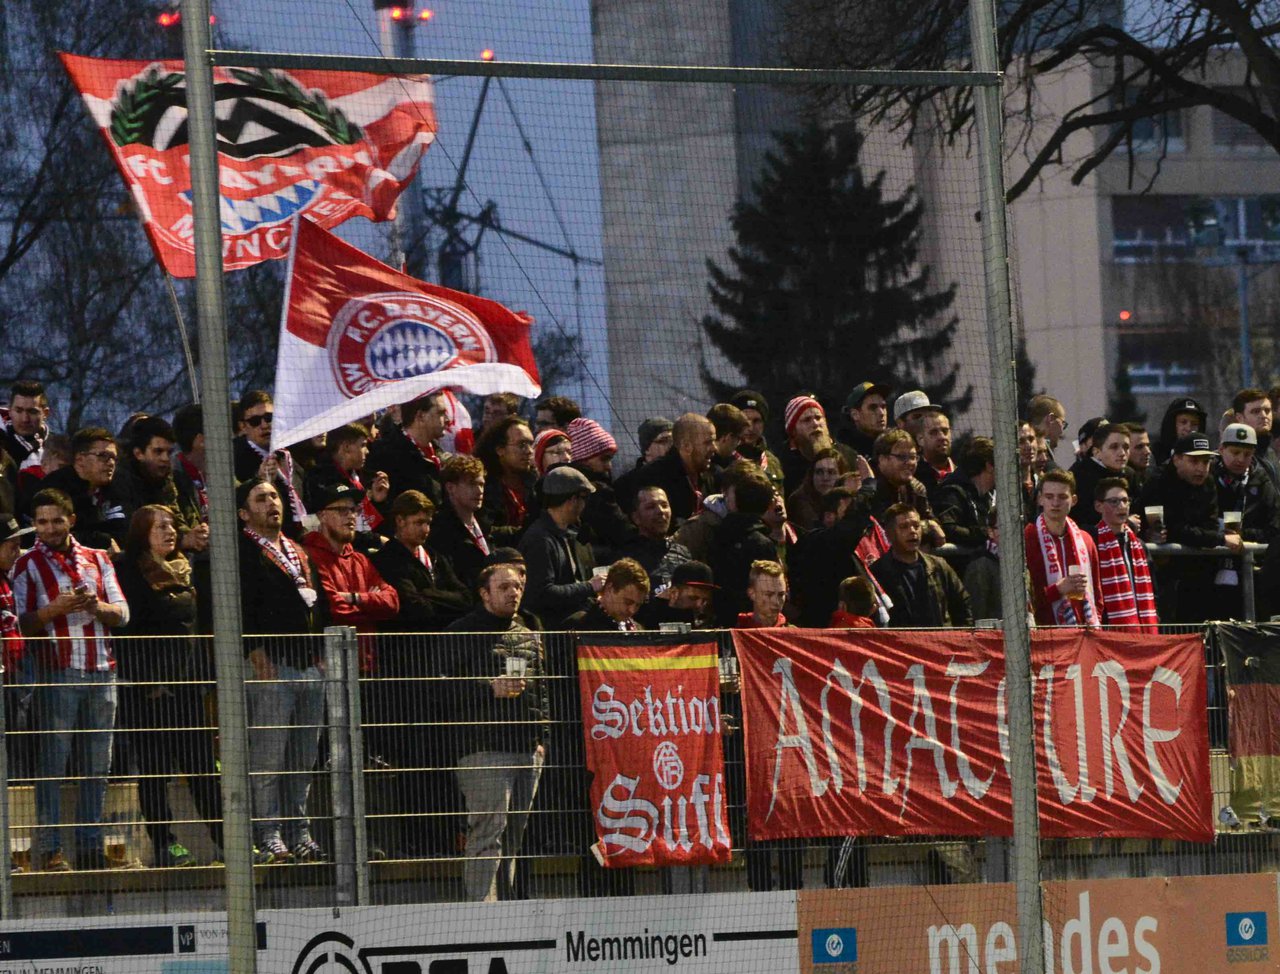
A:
357	336
906	733
651	727
325	145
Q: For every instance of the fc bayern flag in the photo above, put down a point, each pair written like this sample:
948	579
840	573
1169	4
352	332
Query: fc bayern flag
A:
357	336
326	145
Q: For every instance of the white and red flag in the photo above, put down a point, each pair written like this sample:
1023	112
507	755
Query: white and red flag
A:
357	336
326	145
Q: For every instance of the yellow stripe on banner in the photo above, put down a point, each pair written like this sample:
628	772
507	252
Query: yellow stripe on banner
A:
648	663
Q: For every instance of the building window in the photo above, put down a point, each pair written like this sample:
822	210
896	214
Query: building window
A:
1155	133
1232	135
1155	228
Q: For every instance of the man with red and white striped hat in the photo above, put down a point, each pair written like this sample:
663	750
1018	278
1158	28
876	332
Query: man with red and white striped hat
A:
604	527
806	424
69	592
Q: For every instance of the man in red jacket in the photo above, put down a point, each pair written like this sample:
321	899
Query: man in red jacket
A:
356	594
1062	559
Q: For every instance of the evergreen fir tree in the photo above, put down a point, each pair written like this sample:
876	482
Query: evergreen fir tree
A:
825	289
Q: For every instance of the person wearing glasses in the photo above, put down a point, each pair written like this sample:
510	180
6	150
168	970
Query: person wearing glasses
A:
1124	576
896	459
253	457
100	518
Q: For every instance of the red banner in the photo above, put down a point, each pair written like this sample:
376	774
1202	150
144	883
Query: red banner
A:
358	335
325	145
651	726
906	733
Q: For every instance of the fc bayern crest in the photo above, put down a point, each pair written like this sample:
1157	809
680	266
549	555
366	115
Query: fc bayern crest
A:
393	336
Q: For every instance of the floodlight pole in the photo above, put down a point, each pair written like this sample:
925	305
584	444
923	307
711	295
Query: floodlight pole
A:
408	231
988	120
224	529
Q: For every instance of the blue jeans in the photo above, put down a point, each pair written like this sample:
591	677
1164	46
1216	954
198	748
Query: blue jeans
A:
286	715
82	705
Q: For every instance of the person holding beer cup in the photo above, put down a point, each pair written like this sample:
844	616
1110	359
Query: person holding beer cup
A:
1061	558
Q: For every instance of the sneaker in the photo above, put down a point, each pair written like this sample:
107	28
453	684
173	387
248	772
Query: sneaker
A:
308	849
97	860
52	862
175	854
272	852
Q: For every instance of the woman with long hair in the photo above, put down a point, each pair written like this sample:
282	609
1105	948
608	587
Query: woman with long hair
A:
160	702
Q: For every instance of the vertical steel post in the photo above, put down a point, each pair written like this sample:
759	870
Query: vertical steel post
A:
224	528
988	122
359	794
336	663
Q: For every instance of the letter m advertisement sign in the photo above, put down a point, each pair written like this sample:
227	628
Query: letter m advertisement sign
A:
651	728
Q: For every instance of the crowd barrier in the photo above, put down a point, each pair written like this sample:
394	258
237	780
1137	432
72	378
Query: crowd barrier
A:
383	803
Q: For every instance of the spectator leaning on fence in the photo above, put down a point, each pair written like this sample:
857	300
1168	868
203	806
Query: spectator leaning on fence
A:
1062	559
279	593
500	716
69	593
160	700
924	589
1124	577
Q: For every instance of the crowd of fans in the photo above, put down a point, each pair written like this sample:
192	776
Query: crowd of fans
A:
398	525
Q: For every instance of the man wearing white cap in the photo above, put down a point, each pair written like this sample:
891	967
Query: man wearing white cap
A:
910	409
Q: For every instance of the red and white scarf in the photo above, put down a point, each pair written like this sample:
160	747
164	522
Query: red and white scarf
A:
367	515
284	461
290	559
1077	549
1128	602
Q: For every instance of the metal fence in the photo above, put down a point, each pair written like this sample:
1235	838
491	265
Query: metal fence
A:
363	754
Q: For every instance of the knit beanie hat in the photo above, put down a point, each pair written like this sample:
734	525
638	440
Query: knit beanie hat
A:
796	408
589	439
651	429
541	442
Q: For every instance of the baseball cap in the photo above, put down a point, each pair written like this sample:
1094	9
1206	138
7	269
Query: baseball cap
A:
695	573
862	390
750	399
10	529
1239	434
1187	406
909	402
566	481
334	491
1089	427
1193	445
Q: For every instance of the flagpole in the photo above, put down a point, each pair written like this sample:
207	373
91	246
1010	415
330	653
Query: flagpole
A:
237	852
182	333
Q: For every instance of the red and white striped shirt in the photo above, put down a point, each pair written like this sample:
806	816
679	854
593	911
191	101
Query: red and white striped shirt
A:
82	642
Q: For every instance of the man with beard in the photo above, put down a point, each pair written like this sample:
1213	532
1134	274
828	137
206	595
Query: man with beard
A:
1253	407
896	459
806	424
146	477
866	416
1106	454
935	451
753	446
279	593
1185	491
683	473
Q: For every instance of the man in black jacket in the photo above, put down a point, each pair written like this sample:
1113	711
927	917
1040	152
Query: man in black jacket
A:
560	567
253	457
101	521
460	531
963	499
925	590
741	539
501	718
683	473
407	453
1190	517
431	596
279	594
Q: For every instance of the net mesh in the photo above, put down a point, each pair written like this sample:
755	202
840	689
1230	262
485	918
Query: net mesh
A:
674	242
